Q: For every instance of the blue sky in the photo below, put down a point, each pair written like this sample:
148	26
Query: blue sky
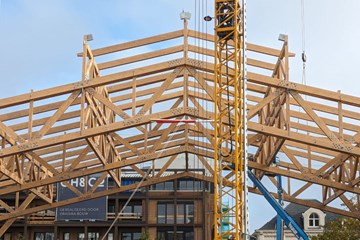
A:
39	40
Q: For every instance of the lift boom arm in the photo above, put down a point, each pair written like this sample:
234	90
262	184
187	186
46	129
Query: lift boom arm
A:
289	222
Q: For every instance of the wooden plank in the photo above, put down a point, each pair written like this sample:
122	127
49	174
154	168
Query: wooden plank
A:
302	138
140	57
249	61
249	46
276	83
101	157
99	81
254	110
308	109
10	221
5	206
161	89
111	89
131	122
304	89
136	43
70	154
51	121
304	177
166	165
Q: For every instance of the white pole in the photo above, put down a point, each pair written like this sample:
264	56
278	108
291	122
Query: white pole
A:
245	147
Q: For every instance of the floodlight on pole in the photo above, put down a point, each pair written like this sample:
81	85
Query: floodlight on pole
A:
89	37
185	15
283	37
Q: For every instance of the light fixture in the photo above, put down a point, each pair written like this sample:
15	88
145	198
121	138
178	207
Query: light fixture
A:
208	18
185	15
89	37
283	37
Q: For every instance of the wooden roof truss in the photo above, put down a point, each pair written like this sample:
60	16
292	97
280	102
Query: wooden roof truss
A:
103	124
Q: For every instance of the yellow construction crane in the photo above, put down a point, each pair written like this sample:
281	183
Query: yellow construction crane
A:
230	193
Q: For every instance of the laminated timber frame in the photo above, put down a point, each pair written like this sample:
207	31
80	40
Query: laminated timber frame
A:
104	123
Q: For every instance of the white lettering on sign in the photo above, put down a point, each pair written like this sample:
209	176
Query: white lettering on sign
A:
80	182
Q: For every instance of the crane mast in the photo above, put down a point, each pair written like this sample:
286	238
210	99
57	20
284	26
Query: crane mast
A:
229	184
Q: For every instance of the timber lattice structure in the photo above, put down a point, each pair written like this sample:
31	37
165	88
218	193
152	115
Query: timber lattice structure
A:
103	124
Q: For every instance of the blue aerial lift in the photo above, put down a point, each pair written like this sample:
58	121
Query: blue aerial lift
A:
289	222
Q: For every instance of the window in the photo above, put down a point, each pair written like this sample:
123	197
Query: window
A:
161	235
110	236
93	236
44	236
66	236
111	207
180	214
20	235
168	186
81	236
126	236
184	213
132	211
189	184
161	213
189	235
125	182
39	236
165	212
189	211
181	234
314	220
130	236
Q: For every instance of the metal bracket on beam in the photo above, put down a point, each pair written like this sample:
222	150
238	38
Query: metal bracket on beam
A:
288	85
194	62
177	111
174	63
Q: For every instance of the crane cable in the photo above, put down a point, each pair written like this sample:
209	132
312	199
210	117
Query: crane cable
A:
228	101
303	55
127	202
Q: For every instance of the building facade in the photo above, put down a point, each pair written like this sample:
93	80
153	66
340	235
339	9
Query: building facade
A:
311	220
176	210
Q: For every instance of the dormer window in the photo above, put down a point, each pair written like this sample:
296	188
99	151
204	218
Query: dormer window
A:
314	220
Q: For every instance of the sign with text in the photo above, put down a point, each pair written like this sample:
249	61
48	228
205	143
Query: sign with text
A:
94	209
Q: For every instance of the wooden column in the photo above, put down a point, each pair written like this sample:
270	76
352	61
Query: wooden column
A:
204	213
86	230
56	237
146	210
26	237
116	227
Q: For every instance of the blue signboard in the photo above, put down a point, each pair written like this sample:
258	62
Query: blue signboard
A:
94	209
